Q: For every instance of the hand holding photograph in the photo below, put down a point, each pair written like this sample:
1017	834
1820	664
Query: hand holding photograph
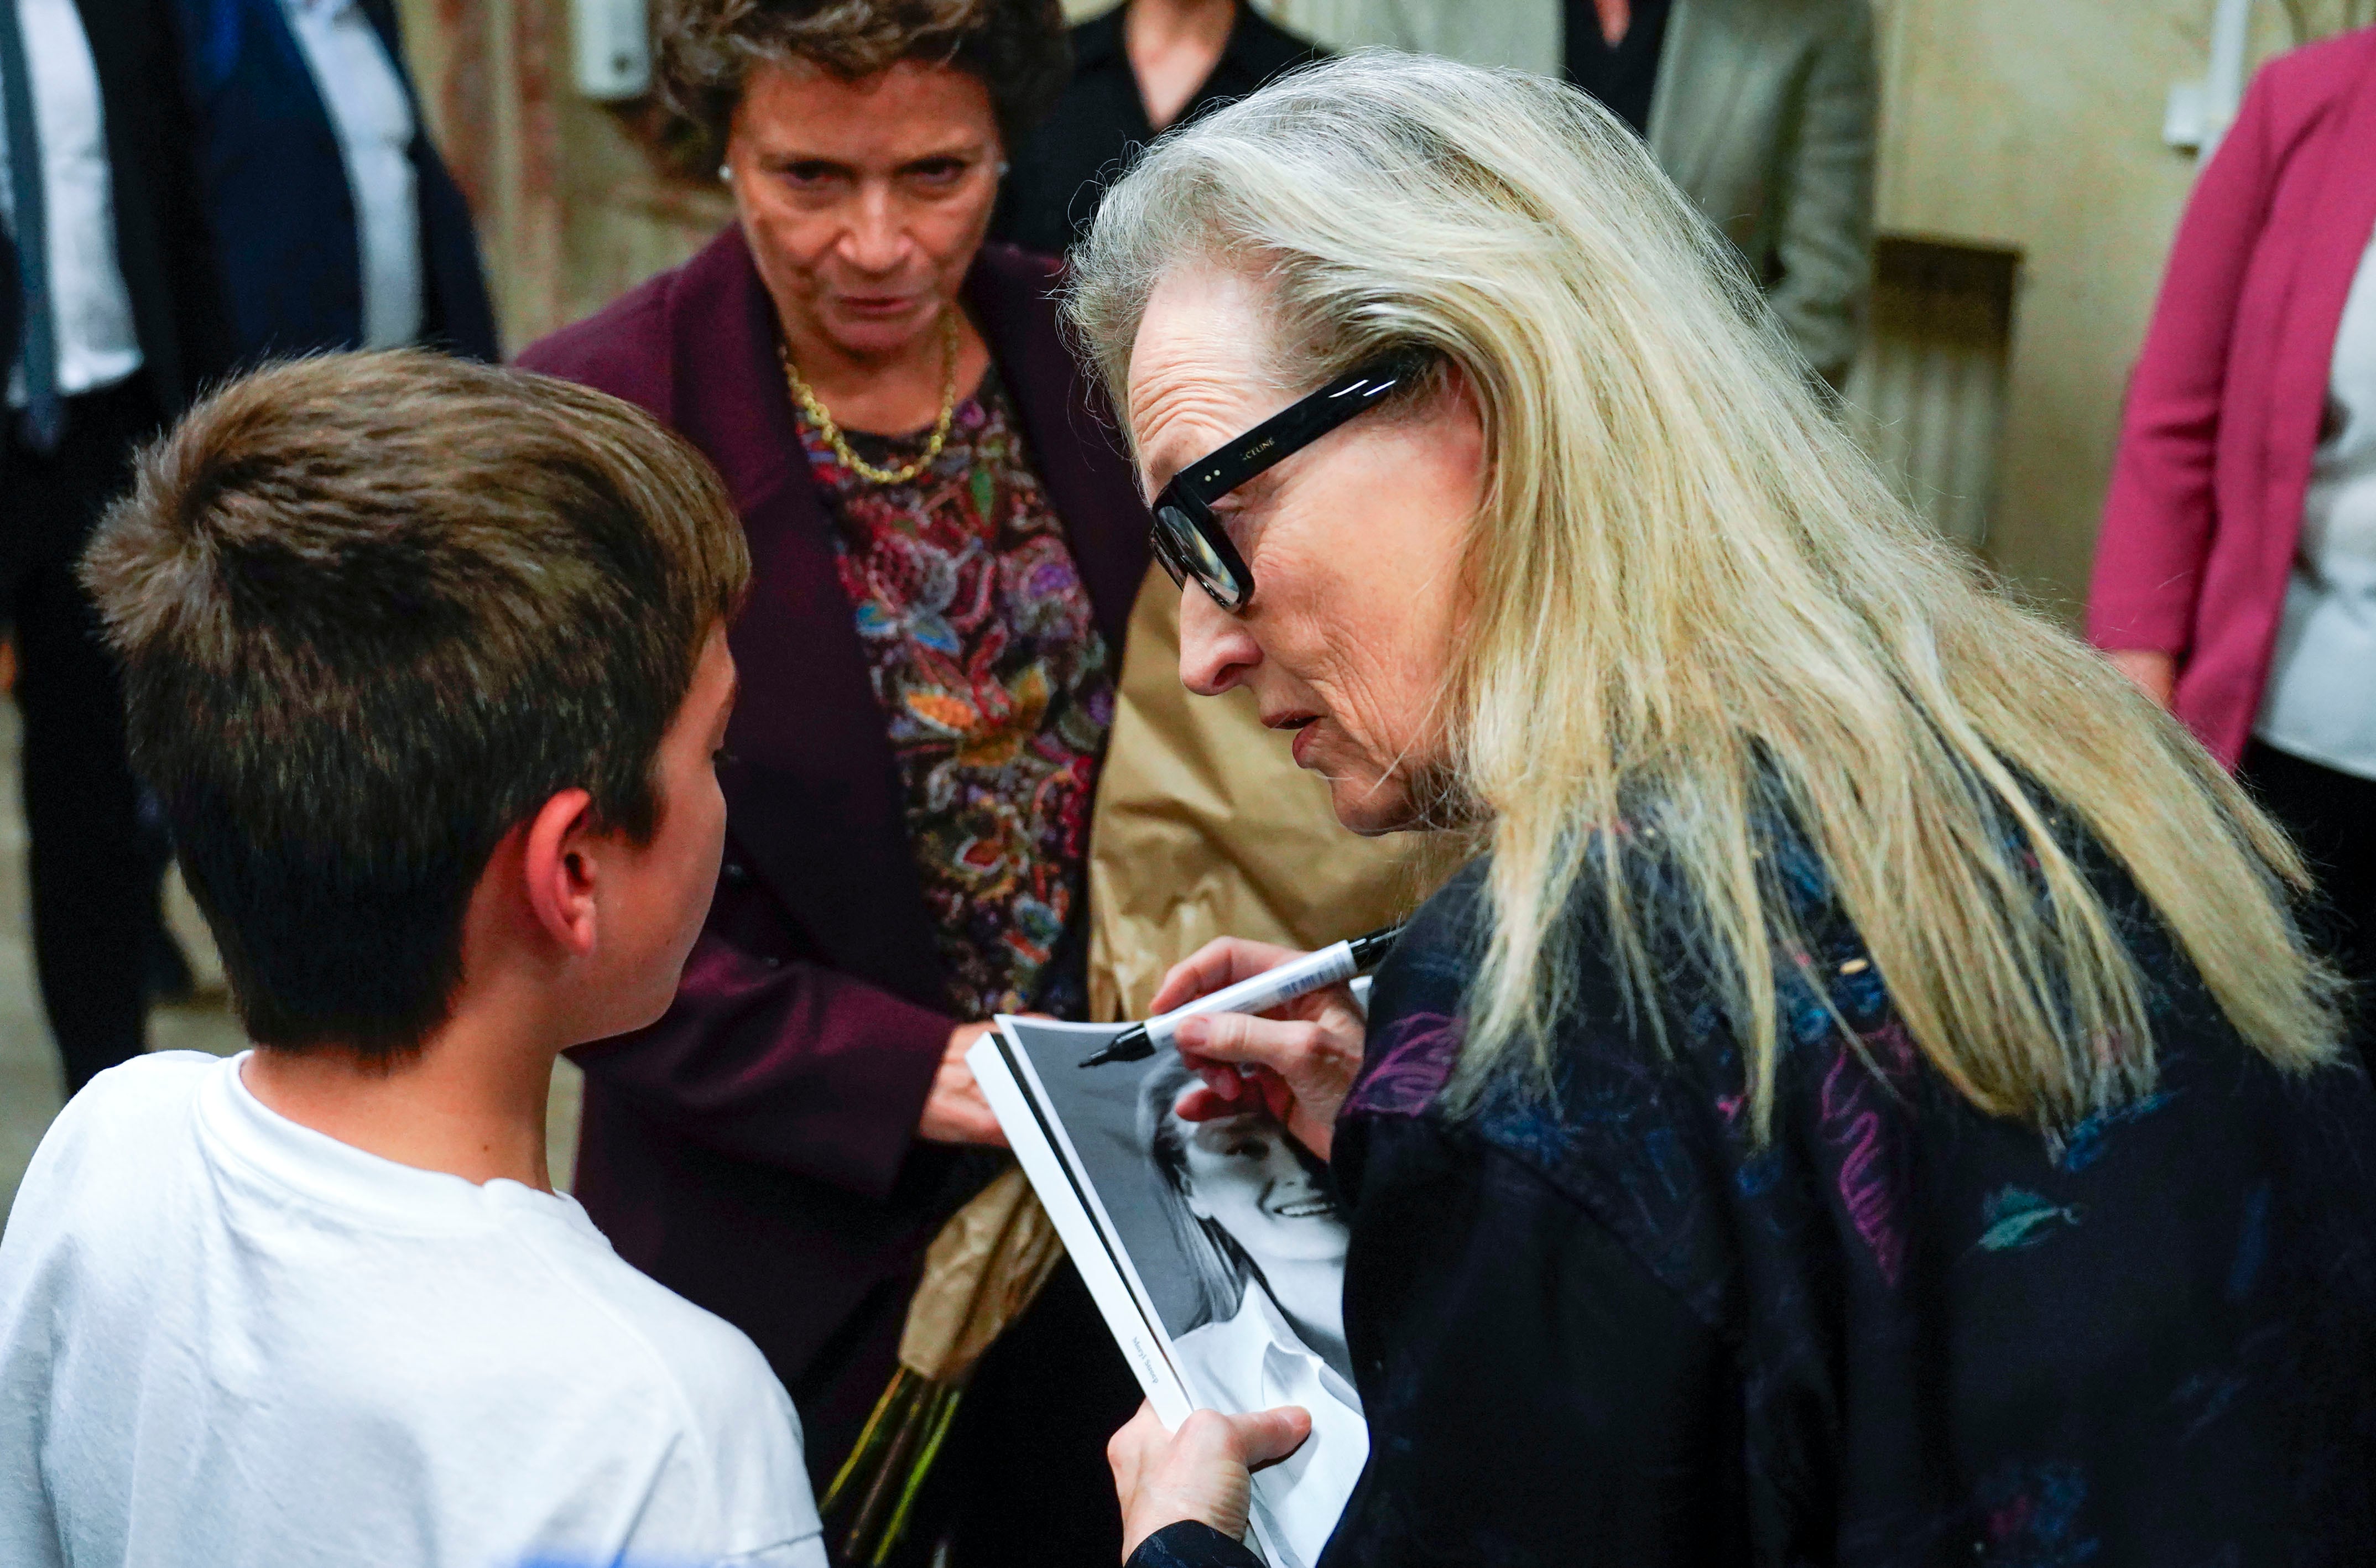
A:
1212	1243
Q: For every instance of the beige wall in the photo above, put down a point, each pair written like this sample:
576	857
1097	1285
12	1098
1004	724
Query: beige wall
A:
570	213
2039	127
2033	124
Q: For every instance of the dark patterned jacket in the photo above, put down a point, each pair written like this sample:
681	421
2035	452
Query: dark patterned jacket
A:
1604	1325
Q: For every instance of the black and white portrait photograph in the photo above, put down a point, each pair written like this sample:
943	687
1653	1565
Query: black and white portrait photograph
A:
1235	1234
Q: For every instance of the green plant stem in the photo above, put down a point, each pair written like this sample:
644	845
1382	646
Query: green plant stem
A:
878	1488
944	1411
895	1398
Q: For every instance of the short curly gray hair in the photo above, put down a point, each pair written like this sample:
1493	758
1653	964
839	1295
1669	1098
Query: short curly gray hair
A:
1019	49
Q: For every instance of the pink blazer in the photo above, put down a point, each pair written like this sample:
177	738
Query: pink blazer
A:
2223	414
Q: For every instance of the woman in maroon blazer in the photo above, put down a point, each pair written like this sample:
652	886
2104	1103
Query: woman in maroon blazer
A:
946	545
2236	575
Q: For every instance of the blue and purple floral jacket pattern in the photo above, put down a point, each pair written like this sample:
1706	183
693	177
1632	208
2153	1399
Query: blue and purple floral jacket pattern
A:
1596	1321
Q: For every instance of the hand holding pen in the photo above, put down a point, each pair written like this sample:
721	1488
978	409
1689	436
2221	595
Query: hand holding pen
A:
1264	990
1301	1063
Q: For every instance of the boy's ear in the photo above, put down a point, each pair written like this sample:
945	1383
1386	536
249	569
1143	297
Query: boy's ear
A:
559	870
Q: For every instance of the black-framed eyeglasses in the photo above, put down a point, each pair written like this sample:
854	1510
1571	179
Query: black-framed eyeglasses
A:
1191	541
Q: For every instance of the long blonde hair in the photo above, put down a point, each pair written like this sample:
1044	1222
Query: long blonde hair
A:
1693	596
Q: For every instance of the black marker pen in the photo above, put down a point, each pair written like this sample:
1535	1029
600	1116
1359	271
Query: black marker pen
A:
1341	961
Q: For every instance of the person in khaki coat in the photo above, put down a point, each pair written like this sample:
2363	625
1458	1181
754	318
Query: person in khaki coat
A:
1204	828
1763	110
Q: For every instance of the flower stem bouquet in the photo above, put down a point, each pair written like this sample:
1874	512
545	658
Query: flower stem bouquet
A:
980	1272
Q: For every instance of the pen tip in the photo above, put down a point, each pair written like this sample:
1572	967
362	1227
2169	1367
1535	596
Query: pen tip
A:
1124	1047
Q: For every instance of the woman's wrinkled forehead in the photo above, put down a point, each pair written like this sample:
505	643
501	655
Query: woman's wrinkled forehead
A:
1201	368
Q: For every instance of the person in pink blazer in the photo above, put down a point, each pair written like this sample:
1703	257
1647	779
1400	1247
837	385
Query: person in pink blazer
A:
2236	575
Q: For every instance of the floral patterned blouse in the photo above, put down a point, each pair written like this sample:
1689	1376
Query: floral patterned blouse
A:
995	685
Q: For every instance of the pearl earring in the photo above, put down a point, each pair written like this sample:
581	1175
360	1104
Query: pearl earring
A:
726	173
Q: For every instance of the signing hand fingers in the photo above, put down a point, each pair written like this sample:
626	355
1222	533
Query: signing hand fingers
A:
1223	961
1303	1068
1284	1045
1211	1102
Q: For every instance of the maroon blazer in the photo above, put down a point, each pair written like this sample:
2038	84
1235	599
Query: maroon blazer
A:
2223	415
756	1150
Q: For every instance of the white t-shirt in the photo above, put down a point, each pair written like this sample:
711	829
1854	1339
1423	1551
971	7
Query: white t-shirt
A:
2321	702
226	1338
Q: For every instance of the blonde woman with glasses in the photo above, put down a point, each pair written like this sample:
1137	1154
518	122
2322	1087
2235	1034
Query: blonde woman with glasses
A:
1867	1102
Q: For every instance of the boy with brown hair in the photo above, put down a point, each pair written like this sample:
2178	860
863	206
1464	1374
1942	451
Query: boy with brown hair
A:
427	662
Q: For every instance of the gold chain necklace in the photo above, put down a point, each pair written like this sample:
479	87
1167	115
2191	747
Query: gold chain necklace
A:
825	426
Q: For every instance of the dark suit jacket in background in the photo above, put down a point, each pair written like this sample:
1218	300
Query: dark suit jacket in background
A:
756	1150
275	192
160	232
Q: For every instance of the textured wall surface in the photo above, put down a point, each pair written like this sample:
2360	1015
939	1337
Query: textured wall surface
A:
2037	124
571	212
1926	395
2036	127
